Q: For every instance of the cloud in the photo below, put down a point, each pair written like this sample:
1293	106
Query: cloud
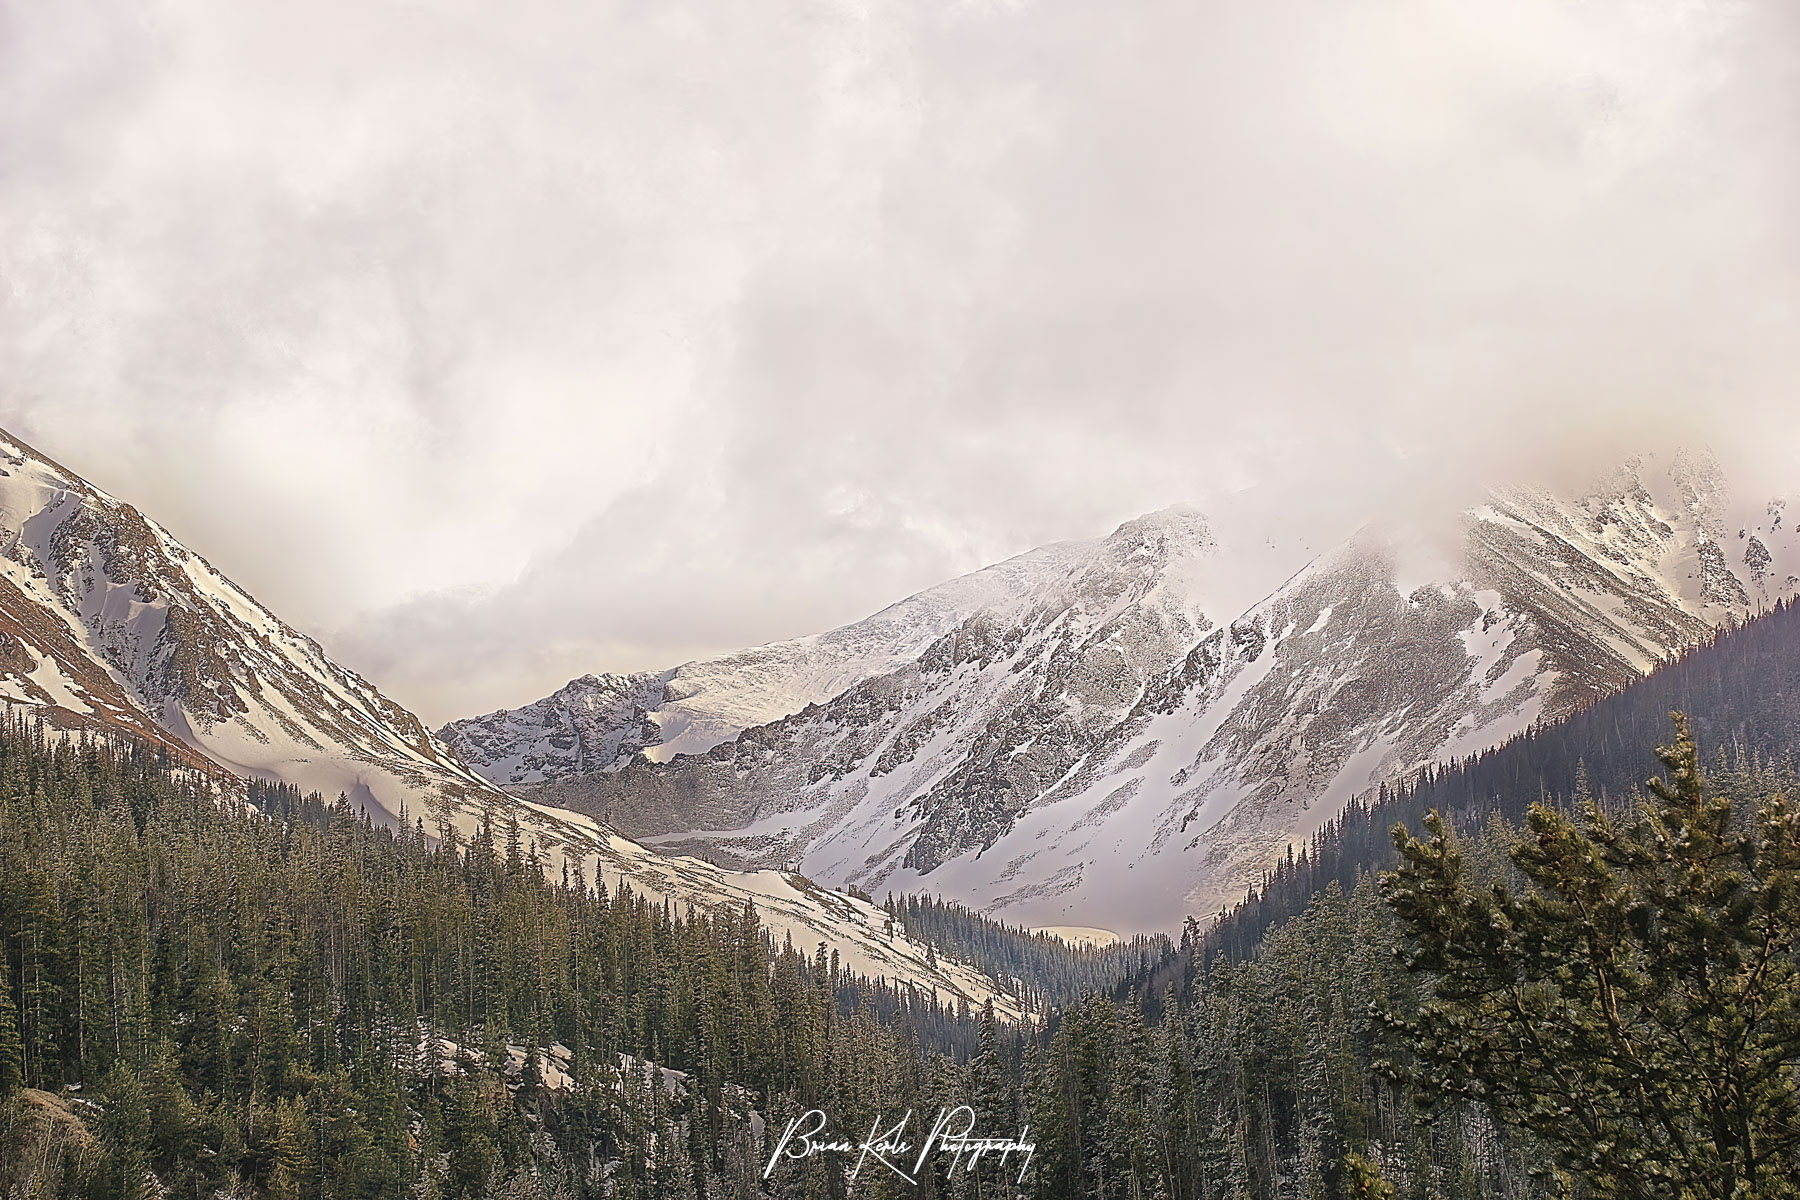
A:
503	344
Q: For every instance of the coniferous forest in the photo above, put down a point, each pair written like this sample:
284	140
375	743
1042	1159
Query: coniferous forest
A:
273	997
278	999
1058	972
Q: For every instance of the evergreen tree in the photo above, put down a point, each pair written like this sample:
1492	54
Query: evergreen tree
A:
12	1048
1636	1006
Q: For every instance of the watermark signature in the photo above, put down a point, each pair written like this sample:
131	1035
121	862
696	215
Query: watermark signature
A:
952	1133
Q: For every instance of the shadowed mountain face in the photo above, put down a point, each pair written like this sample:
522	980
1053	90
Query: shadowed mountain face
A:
109	625
1114	751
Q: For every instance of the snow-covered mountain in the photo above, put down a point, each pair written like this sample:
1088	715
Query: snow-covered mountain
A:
600	722
1115	751
109	624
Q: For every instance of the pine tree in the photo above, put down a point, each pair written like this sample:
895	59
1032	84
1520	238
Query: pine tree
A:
1364	1180
12	1046
1637	1007
293	1151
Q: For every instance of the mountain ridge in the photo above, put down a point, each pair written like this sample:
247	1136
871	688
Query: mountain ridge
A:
709	701
1014	766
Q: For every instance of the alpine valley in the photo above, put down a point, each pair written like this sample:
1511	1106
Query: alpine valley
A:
1097	734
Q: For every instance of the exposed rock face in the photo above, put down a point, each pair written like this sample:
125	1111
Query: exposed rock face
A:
593	723
709	702
1111	753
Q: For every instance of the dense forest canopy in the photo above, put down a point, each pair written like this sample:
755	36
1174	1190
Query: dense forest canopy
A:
1053	972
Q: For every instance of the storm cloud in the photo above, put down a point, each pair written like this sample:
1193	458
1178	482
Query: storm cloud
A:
496	344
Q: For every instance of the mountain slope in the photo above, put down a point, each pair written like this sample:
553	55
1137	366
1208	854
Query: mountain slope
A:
1740	692
150	634
1069	761
986	716
107	623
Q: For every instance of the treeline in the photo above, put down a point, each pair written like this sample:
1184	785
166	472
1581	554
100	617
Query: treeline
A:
205	998
1740	689
1050	972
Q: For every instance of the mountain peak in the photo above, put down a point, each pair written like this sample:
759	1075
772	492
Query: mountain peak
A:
1153	561
1183	523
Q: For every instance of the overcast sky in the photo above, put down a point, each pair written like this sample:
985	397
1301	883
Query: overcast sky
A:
496	343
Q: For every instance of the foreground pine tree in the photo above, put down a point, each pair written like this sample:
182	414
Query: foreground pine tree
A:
1630	997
